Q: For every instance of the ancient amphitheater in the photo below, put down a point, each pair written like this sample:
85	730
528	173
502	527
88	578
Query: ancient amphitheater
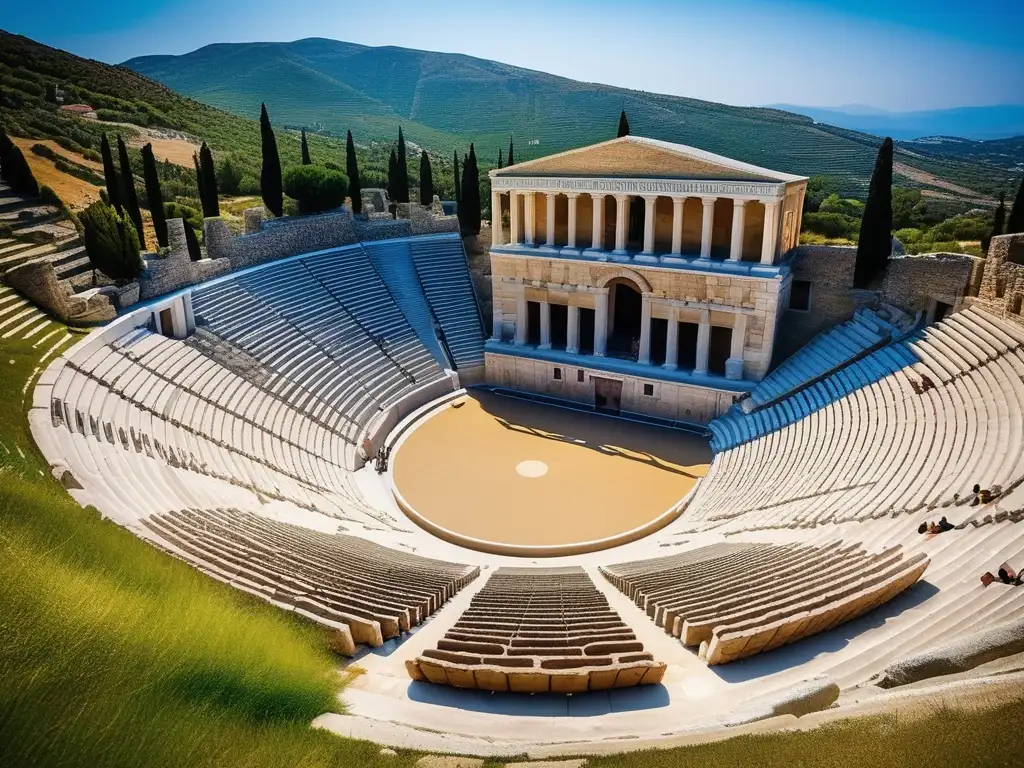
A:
527	577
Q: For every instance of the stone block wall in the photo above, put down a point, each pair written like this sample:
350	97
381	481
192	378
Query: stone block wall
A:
912	283
678	402
278	238
1000	286
38	282
176	270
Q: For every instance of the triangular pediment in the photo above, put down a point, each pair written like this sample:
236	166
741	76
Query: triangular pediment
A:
639	157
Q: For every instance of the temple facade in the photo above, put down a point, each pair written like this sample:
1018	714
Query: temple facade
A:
639	275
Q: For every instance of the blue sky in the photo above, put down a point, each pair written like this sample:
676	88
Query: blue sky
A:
899	55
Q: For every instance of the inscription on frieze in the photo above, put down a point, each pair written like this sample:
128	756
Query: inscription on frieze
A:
640	186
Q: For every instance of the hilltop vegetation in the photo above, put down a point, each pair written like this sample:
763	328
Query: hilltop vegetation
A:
329	85
141	109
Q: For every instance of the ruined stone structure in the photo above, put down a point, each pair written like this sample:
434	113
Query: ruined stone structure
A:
176	270
639	275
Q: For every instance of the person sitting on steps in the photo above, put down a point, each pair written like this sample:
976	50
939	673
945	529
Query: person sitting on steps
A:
1007	575
981	495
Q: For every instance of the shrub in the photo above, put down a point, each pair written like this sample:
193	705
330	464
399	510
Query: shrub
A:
111	242
832	224
315	188
229	177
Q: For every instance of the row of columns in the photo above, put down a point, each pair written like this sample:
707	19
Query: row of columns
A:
768	240
739	332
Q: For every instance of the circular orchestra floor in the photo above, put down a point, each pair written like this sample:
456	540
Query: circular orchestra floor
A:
510	476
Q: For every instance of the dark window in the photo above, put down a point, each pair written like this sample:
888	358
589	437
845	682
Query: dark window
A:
719	348
533	323
649	390
800	296
558	374
579	375
559	326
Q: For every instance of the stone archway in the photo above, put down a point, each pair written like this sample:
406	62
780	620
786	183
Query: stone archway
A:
625	300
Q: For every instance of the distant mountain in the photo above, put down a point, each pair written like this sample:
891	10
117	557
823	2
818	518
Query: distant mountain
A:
447	100
978	123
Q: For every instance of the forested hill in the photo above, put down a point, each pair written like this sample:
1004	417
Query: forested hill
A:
446	99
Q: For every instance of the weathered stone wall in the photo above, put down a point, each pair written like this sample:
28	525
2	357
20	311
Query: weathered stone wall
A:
678	402
1000	286
176	270
912	283
38	282
278	238
829	269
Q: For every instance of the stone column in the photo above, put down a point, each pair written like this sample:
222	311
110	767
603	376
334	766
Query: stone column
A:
734	365
678	204
645	331
672	341
513	217
497	318
703	342
531	218
545	325
707	224
190	317
597	235
601	323
572	341
521	315
573	196
736	244
495	217
550	210
621	223
649	205
770	233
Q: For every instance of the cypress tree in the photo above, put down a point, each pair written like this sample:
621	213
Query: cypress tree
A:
402	180
14	169
393	176
270	174
131	198
426	179
355	188
1015	224
154	196
875	243
623	125
469	208
208	182
509	160
110	173
499	159
458	181
305	150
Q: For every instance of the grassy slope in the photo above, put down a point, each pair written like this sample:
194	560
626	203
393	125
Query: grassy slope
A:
331	84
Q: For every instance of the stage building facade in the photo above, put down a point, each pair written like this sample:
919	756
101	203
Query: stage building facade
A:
639	275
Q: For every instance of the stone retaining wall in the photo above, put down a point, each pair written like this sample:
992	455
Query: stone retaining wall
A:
176	270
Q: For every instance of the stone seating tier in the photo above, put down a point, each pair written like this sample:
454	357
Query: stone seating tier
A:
737	600
909	428
376	592
538	630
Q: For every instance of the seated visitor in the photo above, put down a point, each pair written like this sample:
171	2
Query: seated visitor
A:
922	528
1006	574
945	525
981	495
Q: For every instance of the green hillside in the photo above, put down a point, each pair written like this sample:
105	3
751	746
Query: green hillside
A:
136	103
333	85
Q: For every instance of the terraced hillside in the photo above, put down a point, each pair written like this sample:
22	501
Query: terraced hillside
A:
331	84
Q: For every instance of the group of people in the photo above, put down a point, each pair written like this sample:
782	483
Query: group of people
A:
940	527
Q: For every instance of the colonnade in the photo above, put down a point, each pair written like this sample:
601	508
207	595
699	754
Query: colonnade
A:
525	232
734	365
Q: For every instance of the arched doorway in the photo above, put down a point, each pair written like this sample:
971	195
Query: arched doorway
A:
625	300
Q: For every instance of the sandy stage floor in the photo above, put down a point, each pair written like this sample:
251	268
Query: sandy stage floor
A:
504	470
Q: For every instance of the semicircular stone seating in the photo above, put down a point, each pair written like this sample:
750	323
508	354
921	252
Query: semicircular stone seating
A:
912	426
367	592
534	630
735	600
